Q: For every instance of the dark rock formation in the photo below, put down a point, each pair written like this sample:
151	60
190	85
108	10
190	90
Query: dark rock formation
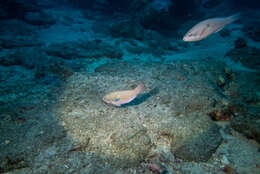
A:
200	147
39	18
9	28
244	104
212	3
253	31
128	29
248	56
240	43
27	57
247	123
17	8
84	49
10	43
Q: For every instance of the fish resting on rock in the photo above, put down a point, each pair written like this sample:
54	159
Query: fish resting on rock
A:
207	27
118	98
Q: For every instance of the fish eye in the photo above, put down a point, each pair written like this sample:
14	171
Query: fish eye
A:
190	34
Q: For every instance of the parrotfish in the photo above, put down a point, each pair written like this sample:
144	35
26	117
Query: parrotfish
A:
118	98
207	27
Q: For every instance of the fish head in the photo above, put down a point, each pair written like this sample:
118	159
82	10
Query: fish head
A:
202	30
109	99
192	36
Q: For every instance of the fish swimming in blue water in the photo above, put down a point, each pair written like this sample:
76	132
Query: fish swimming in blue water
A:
118	98
207	27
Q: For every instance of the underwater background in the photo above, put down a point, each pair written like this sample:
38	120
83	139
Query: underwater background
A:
198	114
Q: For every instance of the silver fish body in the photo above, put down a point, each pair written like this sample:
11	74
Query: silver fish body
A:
207	27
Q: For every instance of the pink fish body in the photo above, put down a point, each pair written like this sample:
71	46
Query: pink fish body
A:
207	27
118	98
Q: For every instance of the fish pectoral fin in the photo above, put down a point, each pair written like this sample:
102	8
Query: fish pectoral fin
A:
219	29
117	99
204	29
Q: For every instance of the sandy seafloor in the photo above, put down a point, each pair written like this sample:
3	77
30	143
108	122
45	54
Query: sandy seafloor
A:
53	119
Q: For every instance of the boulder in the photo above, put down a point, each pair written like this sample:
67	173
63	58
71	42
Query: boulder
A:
248	56
247	123
200	146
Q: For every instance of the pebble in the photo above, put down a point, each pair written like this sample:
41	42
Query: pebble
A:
7	141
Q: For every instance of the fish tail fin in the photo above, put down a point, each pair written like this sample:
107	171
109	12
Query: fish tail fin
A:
234	17
140	88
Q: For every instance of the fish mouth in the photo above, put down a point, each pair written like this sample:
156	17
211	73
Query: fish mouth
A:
107	102
185	39
104	100
111	104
